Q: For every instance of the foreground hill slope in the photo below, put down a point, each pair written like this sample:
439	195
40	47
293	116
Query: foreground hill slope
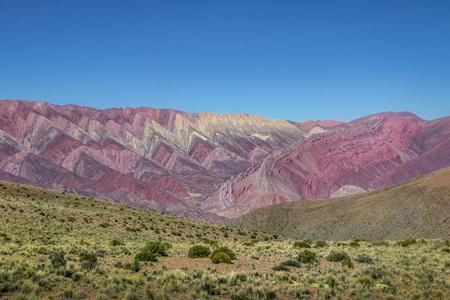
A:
56	245
413	209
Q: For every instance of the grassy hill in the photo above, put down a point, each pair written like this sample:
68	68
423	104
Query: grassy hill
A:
419	208
55	245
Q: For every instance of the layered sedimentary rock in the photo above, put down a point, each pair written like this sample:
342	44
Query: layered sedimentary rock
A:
363	155
158	159
208	166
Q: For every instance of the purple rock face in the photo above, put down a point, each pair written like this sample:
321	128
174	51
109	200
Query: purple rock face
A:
207	166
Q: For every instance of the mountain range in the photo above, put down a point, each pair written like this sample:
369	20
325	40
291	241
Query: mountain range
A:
417	208
207	166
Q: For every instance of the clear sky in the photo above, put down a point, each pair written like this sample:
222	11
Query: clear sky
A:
294	60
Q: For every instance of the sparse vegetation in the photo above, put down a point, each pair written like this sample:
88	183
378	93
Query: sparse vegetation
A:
42	257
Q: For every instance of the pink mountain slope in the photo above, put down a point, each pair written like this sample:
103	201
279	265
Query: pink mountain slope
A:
163	160
369	153
207	166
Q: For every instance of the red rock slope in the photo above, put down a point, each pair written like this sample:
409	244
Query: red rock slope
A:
365	154
162	160
207	166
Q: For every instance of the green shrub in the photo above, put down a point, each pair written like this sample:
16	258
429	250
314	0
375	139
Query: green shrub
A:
302	244
337	256
221	257
291	263
446	250
88	260
320	244
198	252
116	243
307	257
407	243
145	256
157	248
135	266
226	250
280	267
364	259
347	262
77	276
57	259
375	273
354	244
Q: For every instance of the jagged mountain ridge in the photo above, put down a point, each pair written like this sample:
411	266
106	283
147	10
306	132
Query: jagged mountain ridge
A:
164	160
366	154
207	166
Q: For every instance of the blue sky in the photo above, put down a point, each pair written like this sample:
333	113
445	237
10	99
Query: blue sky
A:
294	60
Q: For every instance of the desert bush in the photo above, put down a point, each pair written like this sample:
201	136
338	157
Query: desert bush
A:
57	259
145	256
88	260
157	248
407	243
354	244
375	273
364	259
226	250
337	256
198	251
307	257
347	262
221	257
320	244
135	266
302	244
291	263
281	267
116	243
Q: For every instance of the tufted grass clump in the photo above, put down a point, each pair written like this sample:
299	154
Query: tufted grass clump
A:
198	251
221	257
